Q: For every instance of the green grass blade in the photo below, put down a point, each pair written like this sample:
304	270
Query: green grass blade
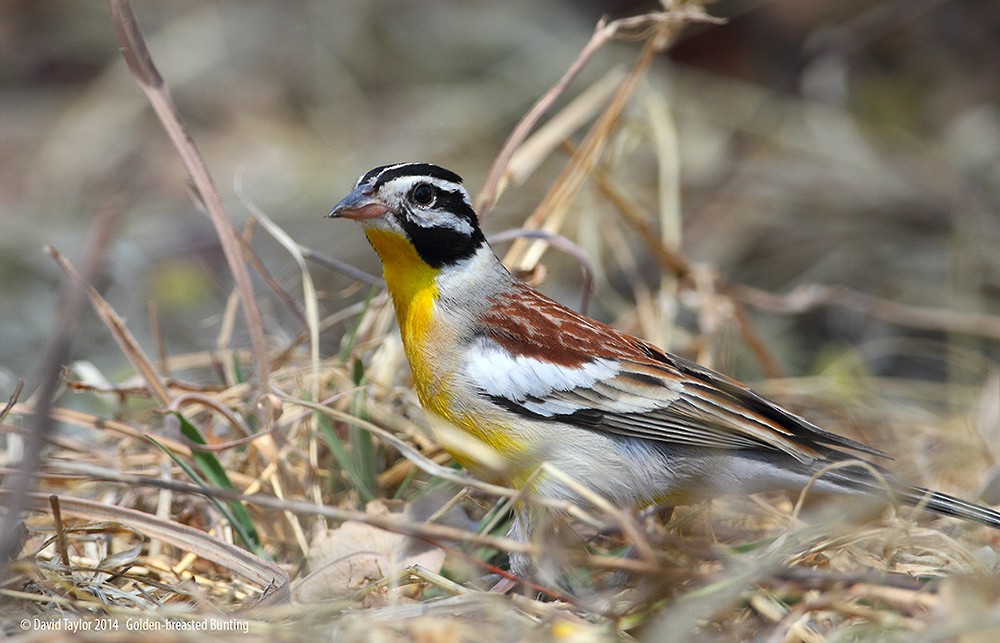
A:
215	475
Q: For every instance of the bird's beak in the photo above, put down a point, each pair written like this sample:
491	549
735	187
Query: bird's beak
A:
362	203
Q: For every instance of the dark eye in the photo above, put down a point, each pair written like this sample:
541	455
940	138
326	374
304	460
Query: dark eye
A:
422	194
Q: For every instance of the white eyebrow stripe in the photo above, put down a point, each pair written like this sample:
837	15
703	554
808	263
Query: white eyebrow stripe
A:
407	183
382	171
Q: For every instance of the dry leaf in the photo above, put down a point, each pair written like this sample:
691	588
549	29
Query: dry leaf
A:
343	560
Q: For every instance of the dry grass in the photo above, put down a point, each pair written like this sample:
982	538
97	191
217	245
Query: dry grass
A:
280	494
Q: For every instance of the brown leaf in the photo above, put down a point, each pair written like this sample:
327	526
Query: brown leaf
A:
343	560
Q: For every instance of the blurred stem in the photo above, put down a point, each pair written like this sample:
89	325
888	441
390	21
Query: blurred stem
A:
71	300
140	63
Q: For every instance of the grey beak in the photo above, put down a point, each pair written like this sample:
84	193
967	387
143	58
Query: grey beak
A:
359	204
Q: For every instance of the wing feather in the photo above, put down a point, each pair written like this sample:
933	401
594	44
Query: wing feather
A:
536	358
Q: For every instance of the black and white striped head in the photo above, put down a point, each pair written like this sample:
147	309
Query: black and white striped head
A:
425	203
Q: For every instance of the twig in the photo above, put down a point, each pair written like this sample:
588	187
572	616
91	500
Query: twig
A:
60	530
681	268
523	255
86	420
70	305
564	244
603	33
254	260
97	510
751	337
12	400
808	297
251	567
153	314
340	266
670	259
140	63
488	195
124	338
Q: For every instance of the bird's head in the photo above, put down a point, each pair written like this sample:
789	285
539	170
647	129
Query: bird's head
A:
422	204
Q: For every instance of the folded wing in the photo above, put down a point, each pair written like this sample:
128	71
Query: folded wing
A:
539	359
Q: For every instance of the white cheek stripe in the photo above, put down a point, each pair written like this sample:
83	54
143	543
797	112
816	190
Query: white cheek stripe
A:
440	219
498	373
403	184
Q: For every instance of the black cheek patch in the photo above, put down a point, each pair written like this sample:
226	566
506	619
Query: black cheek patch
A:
441	247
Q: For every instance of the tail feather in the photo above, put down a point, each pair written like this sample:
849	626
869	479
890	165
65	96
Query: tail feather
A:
947	505
935	501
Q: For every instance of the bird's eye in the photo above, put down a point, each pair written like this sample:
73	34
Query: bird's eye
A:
422	194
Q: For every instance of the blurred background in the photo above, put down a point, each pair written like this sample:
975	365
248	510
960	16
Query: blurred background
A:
850	144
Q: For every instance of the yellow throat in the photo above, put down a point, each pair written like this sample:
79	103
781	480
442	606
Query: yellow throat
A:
414	291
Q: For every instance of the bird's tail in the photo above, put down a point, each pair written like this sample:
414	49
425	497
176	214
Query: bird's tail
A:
941	503
947	505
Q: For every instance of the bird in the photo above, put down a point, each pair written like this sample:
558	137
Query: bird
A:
510	379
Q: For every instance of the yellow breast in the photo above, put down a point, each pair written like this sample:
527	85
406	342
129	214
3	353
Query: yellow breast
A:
433	349
414	293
